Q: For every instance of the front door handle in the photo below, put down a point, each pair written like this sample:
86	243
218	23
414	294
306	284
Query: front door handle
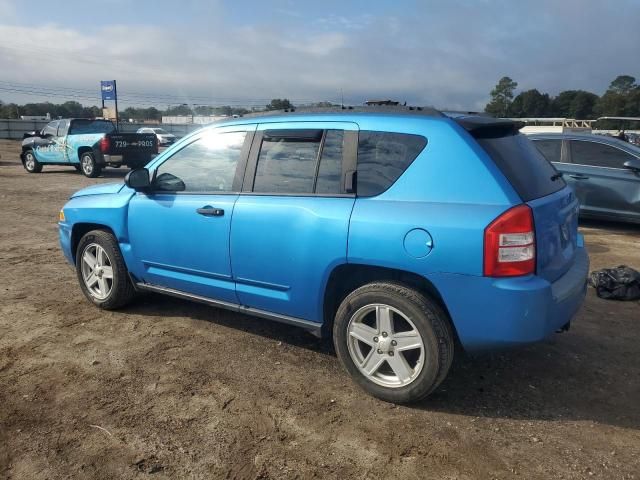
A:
209	211
579	177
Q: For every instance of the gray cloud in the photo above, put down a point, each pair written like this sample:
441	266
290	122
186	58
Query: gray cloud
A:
444	54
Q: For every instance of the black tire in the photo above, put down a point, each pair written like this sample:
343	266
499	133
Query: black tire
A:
88	165
77	167
431	323
121	291
30	163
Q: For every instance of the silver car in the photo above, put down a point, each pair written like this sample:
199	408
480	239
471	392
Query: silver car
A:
164	138
603	171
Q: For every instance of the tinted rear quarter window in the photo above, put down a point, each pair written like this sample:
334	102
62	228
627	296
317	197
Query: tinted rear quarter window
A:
383	157
529	172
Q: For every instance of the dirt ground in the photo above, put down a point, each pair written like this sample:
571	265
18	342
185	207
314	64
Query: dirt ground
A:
180	390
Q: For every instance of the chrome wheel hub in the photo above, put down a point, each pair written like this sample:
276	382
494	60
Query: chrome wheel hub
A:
97	271
29	161
87	166
385	345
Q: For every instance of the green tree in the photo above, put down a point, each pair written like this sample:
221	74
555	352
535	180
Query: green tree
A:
279	104
623	84
530	103
501	97
574	104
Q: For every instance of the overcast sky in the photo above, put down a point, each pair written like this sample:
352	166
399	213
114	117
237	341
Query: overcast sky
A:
442	53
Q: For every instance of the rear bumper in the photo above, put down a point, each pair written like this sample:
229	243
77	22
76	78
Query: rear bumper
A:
491	313
113	158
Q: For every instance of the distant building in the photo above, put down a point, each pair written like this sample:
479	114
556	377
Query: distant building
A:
189	119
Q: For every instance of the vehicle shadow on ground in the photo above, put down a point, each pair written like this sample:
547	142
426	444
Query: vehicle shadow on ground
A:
561	379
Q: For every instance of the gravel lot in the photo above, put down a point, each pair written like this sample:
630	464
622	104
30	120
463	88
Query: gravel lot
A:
180	390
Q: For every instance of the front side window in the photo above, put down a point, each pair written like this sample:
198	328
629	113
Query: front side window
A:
287	161
51	130
551	149
383	157
207	165
598	154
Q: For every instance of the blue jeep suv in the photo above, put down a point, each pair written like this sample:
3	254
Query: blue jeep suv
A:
401	232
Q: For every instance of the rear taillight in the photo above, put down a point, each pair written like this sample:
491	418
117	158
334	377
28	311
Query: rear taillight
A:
510	244
104	145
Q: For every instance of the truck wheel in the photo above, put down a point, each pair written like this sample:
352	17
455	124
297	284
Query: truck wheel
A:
102	272
30	163
88	165
395	342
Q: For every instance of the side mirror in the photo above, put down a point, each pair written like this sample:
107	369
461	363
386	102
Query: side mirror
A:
633	165
138	179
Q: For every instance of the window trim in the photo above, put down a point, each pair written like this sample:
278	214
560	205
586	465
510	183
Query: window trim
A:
570	151
349	158
240	166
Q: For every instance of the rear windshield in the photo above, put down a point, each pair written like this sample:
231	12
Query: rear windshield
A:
81	127
530	174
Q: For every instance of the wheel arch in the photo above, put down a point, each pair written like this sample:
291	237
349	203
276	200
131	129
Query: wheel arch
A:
80	229
82	150
346	277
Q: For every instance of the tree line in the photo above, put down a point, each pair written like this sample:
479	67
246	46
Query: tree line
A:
622	99
74	109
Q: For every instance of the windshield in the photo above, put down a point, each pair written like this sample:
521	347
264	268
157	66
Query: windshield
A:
161	131
80	127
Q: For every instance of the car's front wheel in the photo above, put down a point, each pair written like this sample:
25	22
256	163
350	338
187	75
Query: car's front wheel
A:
31	165
88	165
102	272
394	341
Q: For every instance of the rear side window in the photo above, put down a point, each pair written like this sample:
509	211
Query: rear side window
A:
83	127
598	154
551	149
383	157
287	161
330	168
528	171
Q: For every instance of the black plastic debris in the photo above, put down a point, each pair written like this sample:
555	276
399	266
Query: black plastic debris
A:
620	283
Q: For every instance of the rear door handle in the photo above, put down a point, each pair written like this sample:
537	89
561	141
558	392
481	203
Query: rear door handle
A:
579	177
209	211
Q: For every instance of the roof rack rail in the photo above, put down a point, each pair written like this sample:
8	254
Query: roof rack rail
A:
426	111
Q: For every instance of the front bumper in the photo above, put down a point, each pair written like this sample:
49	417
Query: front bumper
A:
492	313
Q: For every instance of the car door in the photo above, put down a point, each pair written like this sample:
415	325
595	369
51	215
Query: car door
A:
601	182
179	230
65	153
48	147
290	225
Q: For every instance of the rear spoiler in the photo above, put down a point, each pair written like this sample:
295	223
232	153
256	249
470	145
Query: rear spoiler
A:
489	127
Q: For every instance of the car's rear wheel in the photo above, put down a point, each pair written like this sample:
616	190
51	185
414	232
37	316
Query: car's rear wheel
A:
102	272
395	342
31	165
88	165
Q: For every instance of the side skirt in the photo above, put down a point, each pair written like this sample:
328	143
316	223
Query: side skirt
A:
313	327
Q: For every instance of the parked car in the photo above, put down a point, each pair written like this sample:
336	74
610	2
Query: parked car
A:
164	138
399	232
88	145
603	171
